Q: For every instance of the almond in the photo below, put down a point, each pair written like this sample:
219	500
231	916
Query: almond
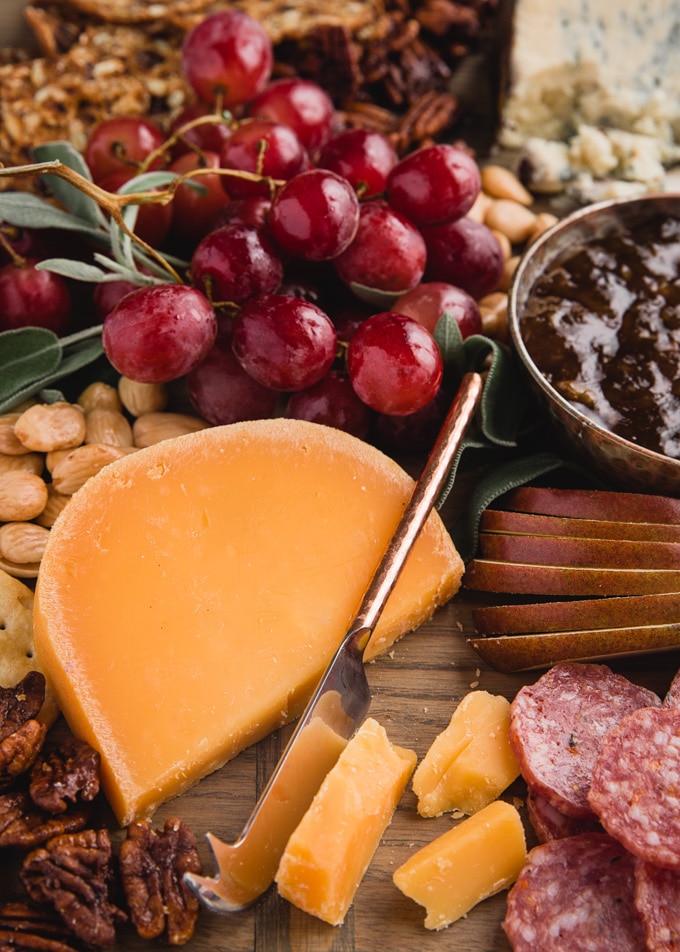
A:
99	394
23	542
499	182
51	426
494	310
103	425
55	503
75	468
10	444
140	398
30	462
511	218
23	496
153	428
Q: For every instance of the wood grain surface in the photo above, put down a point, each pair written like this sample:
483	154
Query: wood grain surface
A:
415	689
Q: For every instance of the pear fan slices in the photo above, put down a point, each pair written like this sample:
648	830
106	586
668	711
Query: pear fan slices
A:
604	568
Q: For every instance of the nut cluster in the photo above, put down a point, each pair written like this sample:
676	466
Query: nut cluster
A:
48	451
47	807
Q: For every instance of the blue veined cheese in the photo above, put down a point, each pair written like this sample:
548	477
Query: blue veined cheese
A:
592	62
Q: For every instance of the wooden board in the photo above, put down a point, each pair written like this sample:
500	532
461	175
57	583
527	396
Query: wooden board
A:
415	689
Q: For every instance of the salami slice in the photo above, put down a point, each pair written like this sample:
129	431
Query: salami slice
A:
573	895
549	824
657	901
672	698
635	788
557	725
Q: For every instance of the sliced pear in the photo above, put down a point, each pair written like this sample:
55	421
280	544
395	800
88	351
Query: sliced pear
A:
536	524
521	578
589	553
594	504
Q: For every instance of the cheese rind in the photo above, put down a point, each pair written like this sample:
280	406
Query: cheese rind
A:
471	762
328	853
478	858
192	593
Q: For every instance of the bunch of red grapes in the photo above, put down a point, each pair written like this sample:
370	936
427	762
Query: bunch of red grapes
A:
320	261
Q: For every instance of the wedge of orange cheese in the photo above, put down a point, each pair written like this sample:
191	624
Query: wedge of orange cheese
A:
192	593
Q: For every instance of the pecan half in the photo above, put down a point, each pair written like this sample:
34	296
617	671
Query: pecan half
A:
24	927
24	825
21	703
73	873
152	866
65	775
19	750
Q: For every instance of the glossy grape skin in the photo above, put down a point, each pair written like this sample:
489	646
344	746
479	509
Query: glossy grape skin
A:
331	402
234	263
388	252
434	184
253	212
465	253
221	391
285	343
204	137
228	56
159	333
153	220
394	364
261	147
429	300
107	294
118	146
365	158
299	103
315	215
193	212
32	298
413	433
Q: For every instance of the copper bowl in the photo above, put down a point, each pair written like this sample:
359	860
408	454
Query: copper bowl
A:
622	463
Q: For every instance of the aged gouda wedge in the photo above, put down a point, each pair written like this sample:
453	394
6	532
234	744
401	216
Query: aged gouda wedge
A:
476	859
192	593
471	762
328	853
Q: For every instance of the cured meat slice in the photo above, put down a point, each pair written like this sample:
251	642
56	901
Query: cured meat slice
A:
635	787
557	725
548	823
672	698
657	901
575	894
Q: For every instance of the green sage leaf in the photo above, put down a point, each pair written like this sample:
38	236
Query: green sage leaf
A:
29	211
26	354
70	268
78	203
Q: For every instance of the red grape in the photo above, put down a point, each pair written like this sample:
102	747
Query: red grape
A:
428	301
227	56
394	364
434	184
204	137
253	212
153	220
315	215
222	392
414	433
119	146
235	262
107	294
194	212
388	252
365	158
465	253
265	148
284	342
332	402
159	333
299	103
32	298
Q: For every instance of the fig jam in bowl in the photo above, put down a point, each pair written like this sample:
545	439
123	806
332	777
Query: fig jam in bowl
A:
594	316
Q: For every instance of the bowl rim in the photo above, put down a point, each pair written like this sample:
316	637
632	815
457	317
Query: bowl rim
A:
525	274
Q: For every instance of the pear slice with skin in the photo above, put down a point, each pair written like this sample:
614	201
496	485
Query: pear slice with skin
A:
536	524
513	653
588	553
586	614
521	578
594	504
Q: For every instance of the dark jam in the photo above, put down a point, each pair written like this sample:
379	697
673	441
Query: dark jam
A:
603	326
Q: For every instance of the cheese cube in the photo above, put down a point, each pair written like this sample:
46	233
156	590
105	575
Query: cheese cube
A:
471	762
476	859
327	855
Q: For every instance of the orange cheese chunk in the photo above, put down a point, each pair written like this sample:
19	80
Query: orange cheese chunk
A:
478	858
328	853
471	762
192	593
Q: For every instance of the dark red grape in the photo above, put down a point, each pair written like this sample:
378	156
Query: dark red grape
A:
284	342
253	212
428	301
365	158
315	215
434	184
204	137
107	294
465	253
413	433
32	298
394	364
193	211
299	103
159	333
265	148
234	263
153	220
119	146
331	402
227	56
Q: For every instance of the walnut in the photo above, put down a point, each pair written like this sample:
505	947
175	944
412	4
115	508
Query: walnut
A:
24	825
21	703
152	867
65	775
24	927
73	873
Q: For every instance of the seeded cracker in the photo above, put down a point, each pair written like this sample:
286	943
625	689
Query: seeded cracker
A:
16	640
